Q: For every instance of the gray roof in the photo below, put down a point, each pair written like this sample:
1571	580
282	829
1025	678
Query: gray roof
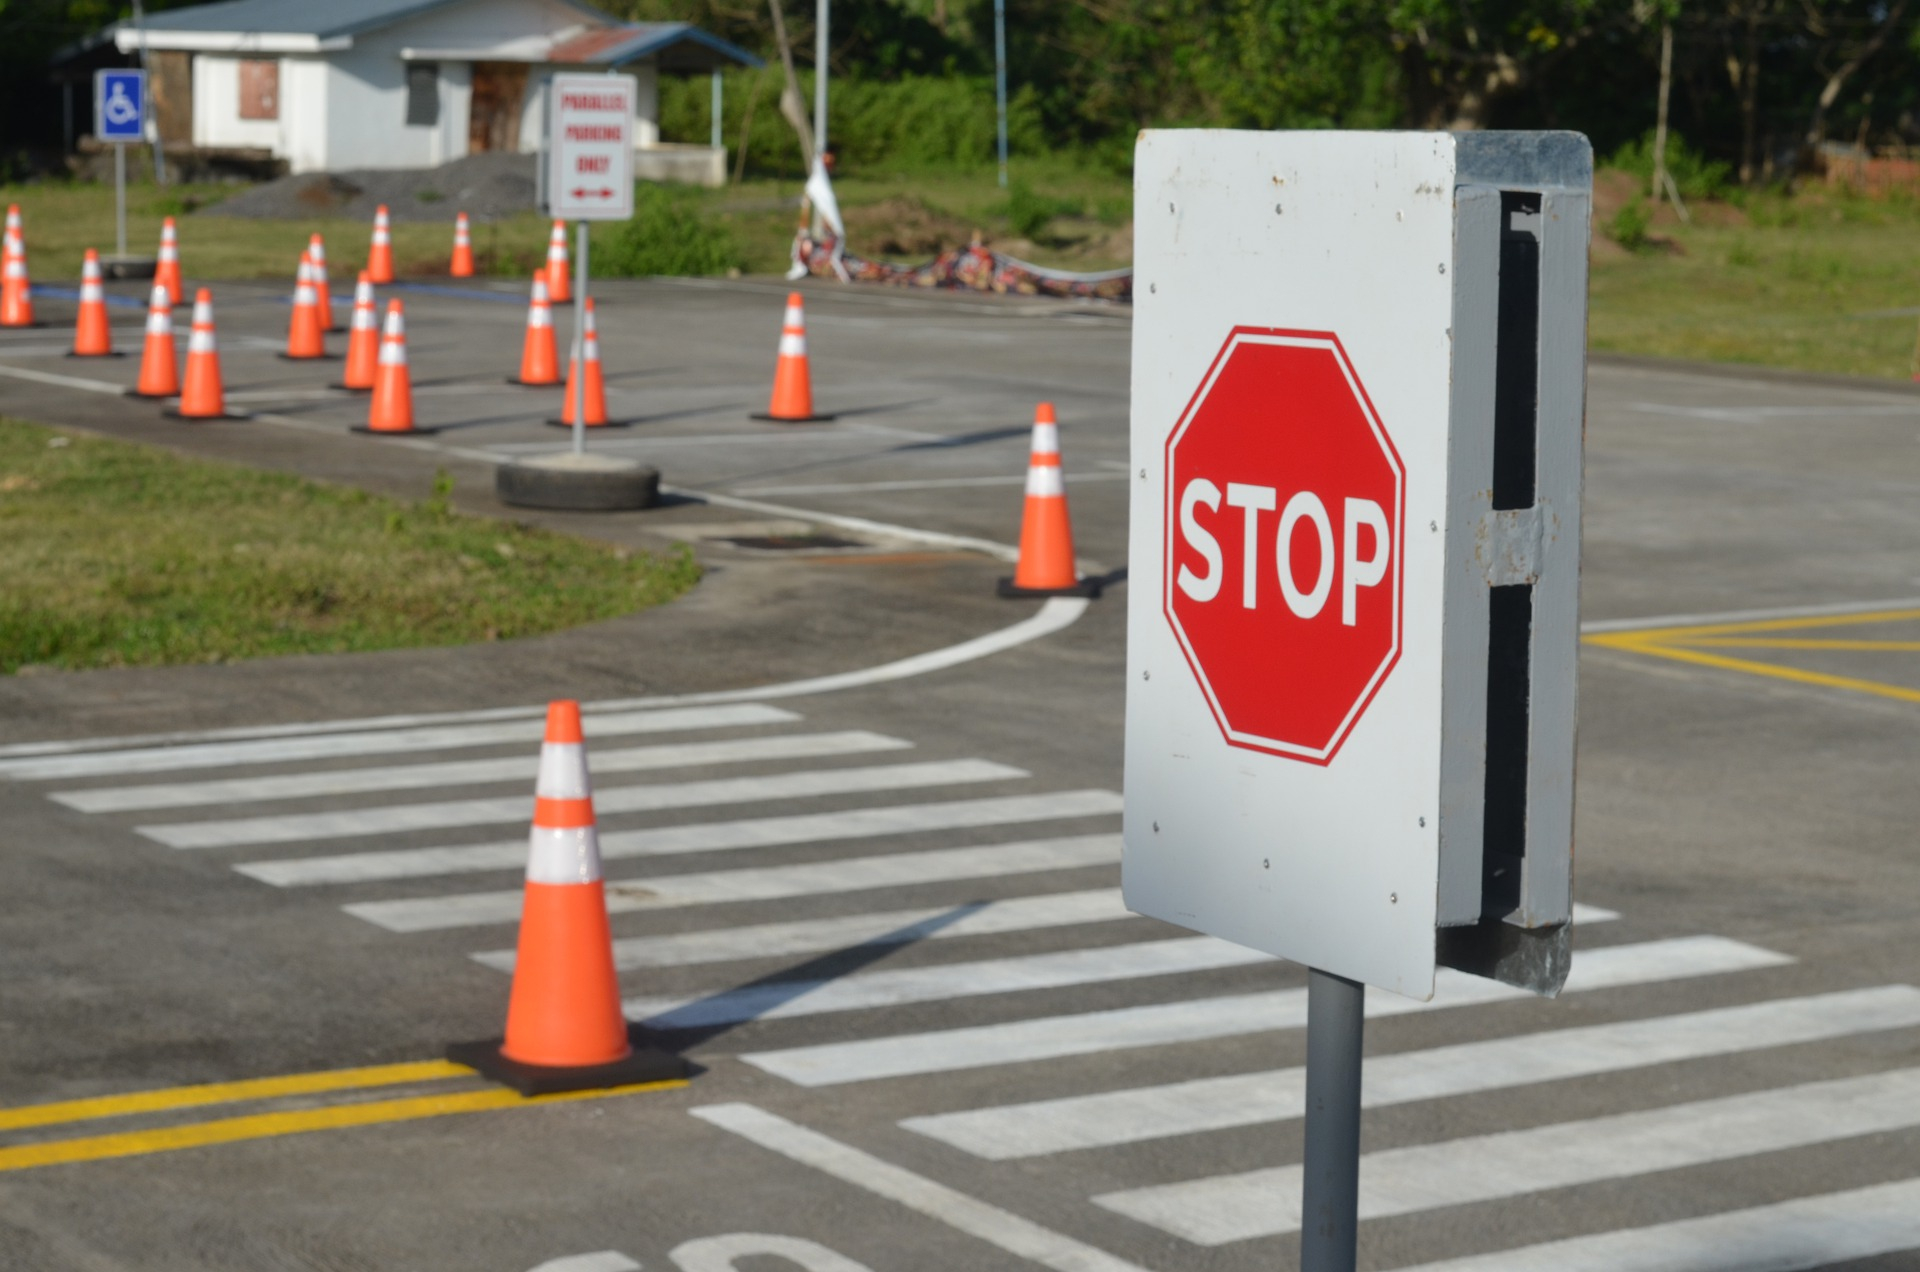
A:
324	19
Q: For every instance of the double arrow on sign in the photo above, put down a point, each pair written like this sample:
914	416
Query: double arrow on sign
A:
601	194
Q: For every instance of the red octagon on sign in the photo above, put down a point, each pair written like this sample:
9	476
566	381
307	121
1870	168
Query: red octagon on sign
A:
1285	499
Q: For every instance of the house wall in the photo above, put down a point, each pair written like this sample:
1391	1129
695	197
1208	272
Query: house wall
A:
216	106
304	96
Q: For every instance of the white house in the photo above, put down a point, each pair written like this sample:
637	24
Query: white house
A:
330	85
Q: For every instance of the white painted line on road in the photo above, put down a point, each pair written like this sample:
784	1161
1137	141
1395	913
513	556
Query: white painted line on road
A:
889	927
1056	614
864	991
1162	1024
1769	414
929	483
1266	1203
862	525
347	738
1746	616
64	381
245	790
760	832
599	1261
1134	1116
401	818
1000	1228
1788	1236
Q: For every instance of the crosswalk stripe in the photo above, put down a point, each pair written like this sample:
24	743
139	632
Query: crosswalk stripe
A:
1788	1236
323	745
891	927
1249	1099
1159	1024
759	832
445	815
1401	1181
865	990
517	768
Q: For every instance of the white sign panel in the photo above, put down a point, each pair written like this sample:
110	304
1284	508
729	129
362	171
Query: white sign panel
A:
590	147
1332	536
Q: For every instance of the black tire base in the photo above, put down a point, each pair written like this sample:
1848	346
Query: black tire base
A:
792	419
1089	588
571	490
645	1064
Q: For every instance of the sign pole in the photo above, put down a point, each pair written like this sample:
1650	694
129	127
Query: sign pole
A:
1330	1180
1000	83
579	391
120	198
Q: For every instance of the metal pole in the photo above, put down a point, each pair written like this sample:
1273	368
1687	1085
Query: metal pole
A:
823	10
159	155
579	391
120	196
1660	114
1000	80
1330	1181
716	140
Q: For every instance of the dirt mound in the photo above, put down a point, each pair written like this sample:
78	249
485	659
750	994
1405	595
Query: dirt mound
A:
904	226
486	187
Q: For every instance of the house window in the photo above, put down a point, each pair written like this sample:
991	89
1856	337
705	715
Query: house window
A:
423	94
260	90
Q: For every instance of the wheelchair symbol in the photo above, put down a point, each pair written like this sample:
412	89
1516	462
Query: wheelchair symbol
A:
120	109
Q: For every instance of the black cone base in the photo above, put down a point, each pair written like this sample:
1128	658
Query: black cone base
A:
317	357
415	431
173	413
1090	588
792	419
112	353
568	424
533	384
644	1065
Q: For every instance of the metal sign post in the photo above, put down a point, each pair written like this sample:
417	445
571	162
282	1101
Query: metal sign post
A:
120	118
578	389
1358	400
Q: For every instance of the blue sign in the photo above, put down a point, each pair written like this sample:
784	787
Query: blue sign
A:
120	105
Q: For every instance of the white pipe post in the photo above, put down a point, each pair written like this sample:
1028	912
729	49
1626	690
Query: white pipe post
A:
823	17
1000	80
579	391
715	141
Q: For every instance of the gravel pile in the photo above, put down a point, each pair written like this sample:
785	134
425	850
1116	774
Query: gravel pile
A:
485	186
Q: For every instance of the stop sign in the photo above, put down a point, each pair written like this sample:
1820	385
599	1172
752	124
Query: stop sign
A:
1285	499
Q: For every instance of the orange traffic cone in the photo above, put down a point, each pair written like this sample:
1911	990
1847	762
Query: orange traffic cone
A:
595	388
304	341
363	339
539	356
167	273
16	289
462	248
92	338
391	410
559	285
380	255
322	296
565	1030
792	382
1046	564
202	396
159	366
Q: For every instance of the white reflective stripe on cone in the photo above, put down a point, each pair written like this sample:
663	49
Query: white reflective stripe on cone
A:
393	353
364	318
1046	439
563	772
571	855
796	317
593	348
793	344
1046	481
201	341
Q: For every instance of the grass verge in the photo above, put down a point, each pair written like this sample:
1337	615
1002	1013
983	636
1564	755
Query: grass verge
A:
122	555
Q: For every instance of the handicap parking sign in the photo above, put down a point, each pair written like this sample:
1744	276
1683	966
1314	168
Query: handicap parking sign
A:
120	105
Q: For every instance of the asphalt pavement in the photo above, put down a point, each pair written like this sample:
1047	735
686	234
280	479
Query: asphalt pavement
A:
862	836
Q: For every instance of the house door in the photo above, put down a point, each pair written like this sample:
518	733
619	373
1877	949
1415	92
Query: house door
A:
494	120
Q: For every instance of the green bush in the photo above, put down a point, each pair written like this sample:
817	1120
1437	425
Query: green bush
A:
1628	226
915	122
667	235
1029	213
1695	175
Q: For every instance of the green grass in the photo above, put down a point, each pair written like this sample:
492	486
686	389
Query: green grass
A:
64	219
1794	283
125	555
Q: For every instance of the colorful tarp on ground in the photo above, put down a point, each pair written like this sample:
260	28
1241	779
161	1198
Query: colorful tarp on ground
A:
973	268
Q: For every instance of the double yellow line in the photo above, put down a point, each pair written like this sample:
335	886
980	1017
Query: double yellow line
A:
230	1130
1695	644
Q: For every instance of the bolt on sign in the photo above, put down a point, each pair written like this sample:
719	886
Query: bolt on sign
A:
590	147
1358	399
